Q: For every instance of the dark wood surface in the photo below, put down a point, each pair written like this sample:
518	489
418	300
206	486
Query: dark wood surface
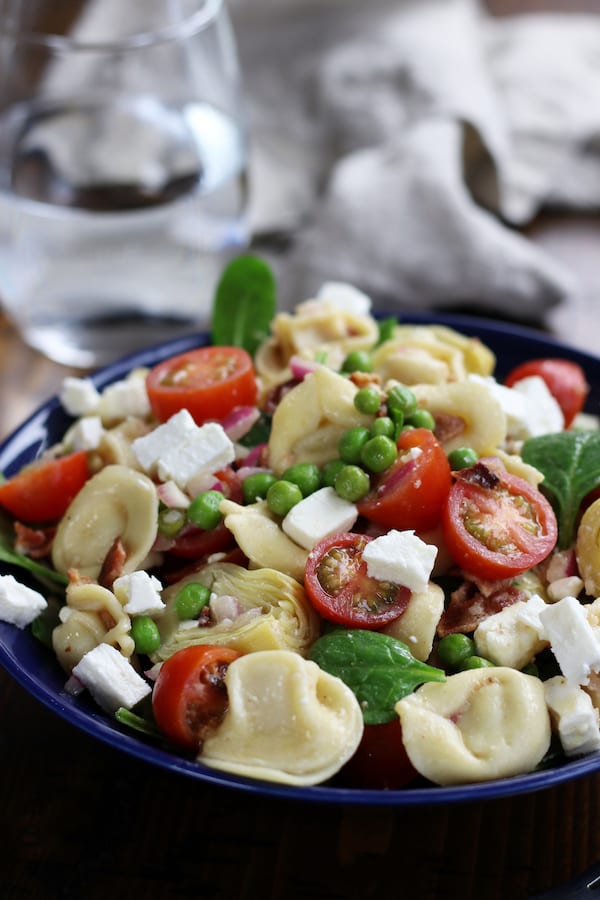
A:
81	821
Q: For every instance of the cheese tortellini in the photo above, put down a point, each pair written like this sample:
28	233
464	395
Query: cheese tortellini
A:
288	721
472	727
588	548
274	613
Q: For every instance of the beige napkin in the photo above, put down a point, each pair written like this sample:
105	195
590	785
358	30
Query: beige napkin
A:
395	146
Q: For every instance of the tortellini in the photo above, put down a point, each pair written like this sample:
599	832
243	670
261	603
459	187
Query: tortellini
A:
274	613
316	326
91	616
588	548
310	420
472	727
288	721
417	625
116	503
478	420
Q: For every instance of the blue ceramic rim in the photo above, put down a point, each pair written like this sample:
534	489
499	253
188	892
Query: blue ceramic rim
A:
47	424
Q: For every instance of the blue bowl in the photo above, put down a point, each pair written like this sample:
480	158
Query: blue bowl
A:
34	667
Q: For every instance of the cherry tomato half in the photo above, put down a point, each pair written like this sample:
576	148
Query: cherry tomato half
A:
189	697
43	491
380	762
412	492
564	379
210	382
495	524
341	590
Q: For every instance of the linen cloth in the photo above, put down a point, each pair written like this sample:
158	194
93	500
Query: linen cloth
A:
397	145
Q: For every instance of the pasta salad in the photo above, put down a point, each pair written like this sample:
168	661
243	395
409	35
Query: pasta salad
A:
349	554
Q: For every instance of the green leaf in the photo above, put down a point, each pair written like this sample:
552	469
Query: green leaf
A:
244	305
379	669
386	329
9	556
137	723
570	464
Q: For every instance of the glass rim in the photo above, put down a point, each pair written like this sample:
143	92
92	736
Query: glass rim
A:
191	25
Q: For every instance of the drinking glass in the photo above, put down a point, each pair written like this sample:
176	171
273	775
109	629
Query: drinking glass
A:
123	170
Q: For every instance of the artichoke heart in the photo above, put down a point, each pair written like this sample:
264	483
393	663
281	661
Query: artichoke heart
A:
274	613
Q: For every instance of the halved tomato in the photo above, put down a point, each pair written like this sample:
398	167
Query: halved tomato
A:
413	491
341	590
564	379
210	382
43	491
497	525
189	697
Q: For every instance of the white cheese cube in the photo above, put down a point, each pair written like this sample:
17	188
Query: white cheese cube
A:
19	604
139	594
180	450
86	433
572	639
125	398
573	715
110	678
402	558
78	396
544	415
570	586
513	636
317	516
345	297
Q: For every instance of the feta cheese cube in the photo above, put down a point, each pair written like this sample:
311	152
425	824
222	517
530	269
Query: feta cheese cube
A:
110	678
513	636
569	586
19	604
544	415
572	639
317	516
139	594
402	558
124	398
345	297
86	433
78	396
180	450
573	715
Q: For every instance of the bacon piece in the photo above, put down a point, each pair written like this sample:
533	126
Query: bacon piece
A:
364	379
448	426
469	607
113	564
35	543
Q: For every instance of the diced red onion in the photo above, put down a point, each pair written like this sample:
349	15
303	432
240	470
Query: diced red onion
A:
152	673
205	482
74	686
172	495
300	368
240	421
224	607
246	471
253	458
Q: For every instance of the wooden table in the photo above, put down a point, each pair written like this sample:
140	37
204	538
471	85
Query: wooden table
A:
80	821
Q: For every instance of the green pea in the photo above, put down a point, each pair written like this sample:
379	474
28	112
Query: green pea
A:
351	444
282	496
145	634
330	471
306	475
454	649
367	400
203	511
475	662
379	453
358	361
171	521
462	458
255	486
191	600
421	418
401	399
352	483
383	425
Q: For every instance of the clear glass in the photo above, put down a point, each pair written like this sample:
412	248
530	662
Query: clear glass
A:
123	170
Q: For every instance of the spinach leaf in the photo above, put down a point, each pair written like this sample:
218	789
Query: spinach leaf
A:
379	669
386	329
137	723
244	304
570	464
12	558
